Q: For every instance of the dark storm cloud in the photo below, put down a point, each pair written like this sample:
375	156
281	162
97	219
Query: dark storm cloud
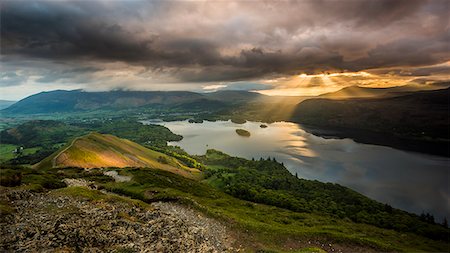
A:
214	41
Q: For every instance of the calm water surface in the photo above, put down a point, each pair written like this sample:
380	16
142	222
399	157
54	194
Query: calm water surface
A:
410	181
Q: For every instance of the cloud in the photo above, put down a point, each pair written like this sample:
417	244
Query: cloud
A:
80	74
219	41
11	79
214	87
433	70
249	86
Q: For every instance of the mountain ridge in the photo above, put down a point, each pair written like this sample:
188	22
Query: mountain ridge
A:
356	91
422	126
60	101
96	150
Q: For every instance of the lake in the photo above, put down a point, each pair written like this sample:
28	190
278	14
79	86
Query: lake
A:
406	180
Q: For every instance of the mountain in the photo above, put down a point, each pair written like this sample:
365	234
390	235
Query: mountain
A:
367	92
416	121
5	104
103	150
60	101
78	100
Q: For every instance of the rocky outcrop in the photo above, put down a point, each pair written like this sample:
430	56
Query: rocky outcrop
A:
49	222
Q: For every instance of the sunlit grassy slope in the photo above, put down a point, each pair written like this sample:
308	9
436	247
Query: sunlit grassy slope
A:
102	150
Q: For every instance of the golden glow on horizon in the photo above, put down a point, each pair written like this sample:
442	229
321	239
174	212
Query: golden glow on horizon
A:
317	84
361	73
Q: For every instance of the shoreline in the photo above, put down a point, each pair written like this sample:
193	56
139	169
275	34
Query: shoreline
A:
435	148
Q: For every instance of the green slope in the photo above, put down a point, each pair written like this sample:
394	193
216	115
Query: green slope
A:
102	150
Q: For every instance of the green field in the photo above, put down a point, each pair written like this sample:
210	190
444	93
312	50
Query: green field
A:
6	151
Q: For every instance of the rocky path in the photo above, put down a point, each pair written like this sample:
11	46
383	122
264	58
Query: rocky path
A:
44	222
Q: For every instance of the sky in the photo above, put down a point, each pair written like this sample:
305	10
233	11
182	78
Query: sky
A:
305	47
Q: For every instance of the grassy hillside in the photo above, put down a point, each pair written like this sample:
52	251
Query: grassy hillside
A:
101	151
260	227
269	182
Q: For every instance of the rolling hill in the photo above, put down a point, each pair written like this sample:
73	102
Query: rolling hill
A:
103	150
63	101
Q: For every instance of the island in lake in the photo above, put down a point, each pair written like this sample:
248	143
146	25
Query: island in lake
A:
242	132
238	121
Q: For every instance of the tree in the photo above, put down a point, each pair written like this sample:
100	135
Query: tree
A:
163	160
423	217
387	208
445	223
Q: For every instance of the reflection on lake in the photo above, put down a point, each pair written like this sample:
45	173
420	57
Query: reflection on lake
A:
410	181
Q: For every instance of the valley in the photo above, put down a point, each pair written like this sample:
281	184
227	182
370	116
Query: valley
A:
260	200
364	114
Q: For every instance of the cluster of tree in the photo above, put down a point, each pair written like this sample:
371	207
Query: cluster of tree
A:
269	182
180	154
427	217
33	158
40	133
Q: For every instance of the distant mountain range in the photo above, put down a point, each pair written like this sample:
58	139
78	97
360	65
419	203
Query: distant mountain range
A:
78	100
63	101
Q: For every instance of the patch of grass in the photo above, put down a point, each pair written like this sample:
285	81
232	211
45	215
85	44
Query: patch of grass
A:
29	151
5	208
10	177
311	250
98	197
48	181
6	152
